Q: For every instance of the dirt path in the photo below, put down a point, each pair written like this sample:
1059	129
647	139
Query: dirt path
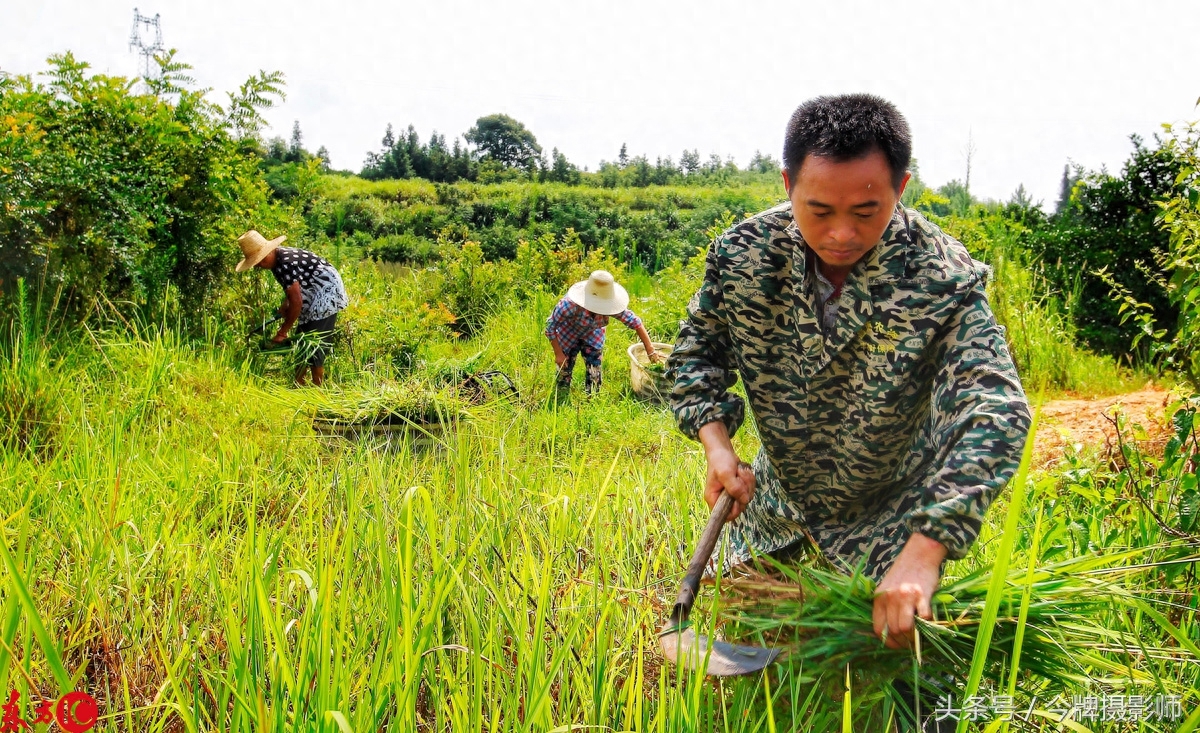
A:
1069	422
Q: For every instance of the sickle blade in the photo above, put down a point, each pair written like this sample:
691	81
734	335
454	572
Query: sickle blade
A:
717	659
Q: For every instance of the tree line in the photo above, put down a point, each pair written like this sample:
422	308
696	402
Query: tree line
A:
499	148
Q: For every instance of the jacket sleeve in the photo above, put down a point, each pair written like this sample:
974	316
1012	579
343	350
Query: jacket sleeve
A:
700	366
980	423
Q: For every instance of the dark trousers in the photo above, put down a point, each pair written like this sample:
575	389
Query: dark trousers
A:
323	328
591	361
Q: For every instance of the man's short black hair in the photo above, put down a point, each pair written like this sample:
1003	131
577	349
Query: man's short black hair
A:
847	127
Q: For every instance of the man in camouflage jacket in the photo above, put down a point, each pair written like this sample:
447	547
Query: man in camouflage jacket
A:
887	404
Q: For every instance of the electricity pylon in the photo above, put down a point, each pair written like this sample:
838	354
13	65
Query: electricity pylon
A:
146	47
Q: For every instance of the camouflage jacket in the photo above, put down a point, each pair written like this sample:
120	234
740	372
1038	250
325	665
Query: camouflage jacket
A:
906	416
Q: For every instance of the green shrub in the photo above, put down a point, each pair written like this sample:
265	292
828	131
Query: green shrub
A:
408	249
1179	220
116	195
1038	317
1109	222
472	289
552	264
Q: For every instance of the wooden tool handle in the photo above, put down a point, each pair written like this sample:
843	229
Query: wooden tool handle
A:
704	551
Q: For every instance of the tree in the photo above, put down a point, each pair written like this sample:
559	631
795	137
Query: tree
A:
462	166
689	161
390	162
111	194
714	164
610	174
959	195
562	170
641	171
505	140
397	164
1108	221
296	152
916	187
408	157
623	156
418	155
323	154
764	163
439	158
664	171
1020	198
1180	220
1064	190
277	151
1022	210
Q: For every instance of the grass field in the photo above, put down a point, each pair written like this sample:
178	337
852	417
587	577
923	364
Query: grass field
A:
183	545
200	546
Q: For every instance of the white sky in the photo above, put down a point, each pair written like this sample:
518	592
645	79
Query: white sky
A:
1034	83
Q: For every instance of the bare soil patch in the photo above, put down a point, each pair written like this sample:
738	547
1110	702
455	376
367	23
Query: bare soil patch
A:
1087	423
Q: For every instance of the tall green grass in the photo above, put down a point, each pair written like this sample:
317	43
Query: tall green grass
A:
1028	624
1042	336
200	559
1038	319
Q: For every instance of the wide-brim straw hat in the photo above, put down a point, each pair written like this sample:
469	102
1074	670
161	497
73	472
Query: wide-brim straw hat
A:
255	247
600	294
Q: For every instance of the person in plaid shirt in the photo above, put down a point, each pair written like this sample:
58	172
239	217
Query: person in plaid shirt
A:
576	326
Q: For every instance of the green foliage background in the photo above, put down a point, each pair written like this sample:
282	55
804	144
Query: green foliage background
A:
111	194
1110	222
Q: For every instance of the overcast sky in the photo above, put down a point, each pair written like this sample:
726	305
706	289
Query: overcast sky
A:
1033	84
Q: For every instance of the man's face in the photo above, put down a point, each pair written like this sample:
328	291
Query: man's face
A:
843	208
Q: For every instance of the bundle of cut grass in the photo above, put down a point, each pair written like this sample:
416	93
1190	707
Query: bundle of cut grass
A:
391	404
298	349
302	347
385	404
1046	627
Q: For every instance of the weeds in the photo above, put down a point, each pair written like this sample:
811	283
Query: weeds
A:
200	558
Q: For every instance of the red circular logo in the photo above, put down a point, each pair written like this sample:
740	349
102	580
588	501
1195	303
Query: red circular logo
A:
76	712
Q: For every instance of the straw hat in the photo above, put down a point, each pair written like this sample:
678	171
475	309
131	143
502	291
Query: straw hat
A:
600	294
255	247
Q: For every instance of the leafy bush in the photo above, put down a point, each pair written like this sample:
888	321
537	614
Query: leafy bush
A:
1109	222
408	249
1180	222
472	289
114	194
393	340
1039	318
552	264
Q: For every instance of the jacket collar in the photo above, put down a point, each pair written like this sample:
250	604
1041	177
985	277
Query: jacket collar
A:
885	262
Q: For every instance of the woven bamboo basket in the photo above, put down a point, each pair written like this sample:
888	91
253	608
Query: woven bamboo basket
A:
648	385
